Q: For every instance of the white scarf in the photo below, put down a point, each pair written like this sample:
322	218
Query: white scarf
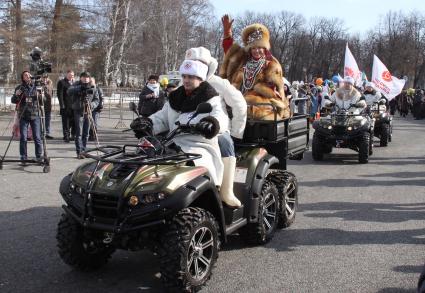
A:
154	87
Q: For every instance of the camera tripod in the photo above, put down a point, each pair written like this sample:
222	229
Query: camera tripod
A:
45	162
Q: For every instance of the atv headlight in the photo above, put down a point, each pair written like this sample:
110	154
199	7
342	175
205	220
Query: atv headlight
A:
147	198
153	197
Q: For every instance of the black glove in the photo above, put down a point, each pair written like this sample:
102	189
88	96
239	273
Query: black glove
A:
99	108
141	126
62	111
208	127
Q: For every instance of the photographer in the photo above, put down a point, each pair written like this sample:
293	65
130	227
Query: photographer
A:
65	104
96	111
84	98
26	102
47	101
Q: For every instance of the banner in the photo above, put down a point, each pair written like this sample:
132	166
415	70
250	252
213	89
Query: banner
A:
390	86
351	68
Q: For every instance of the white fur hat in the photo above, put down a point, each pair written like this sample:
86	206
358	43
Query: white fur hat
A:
204	55
349	79
193	67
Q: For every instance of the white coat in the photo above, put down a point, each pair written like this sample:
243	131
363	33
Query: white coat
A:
165	120
343	99
235	100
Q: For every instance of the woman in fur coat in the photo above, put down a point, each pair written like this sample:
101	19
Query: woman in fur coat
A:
254	71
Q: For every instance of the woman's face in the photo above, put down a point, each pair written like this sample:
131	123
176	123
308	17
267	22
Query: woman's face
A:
152	81
190	82
258	52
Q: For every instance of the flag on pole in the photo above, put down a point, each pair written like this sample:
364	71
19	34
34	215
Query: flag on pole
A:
390	86
351	68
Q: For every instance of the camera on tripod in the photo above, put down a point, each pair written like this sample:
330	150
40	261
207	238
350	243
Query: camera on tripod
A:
38	66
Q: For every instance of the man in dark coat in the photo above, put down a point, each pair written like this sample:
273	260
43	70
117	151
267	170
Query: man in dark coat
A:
151	99
85	98
65	104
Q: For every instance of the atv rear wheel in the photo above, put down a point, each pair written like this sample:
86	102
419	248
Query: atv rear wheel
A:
316	150
364	144
385	133
189	250
287	185
78	251
263	230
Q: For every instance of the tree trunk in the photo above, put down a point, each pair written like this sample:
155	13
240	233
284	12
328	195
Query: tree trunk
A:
11	51
110	45
54	44
127	4
18	37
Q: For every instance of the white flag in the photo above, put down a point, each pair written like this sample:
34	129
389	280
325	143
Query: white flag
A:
351	68
387	84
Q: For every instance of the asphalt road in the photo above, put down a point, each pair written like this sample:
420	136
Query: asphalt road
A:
360	228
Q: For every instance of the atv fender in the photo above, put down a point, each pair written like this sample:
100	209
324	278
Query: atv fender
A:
257	182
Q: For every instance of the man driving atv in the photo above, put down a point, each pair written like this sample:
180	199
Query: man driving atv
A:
372	95
346	96
180	108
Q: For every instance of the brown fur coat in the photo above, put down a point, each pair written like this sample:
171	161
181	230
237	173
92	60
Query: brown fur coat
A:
268	84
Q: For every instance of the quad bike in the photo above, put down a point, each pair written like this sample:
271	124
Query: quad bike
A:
150	195
352	128
383	123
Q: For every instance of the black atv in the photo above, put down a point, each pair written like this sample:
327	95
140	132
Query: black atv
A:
383	123
150	195
352	128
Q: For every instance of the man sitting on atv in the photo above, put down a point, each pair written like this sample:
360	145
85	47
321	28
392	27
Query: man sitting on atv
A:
180	107
372	95
346	96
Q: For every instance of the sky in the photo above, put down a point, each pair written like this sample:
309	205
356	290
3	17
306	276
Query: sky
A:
359	16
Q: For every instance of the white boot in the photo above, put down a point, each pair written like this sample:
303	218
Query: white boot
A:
226	189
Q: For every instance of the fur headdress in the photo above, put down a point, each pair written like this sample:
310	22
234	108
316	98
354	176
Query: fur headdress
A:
256	35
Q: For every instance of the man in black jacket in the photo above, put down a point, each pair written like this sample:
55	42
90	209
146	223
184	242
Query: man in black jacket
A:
25	98
84	98
65	105
151	99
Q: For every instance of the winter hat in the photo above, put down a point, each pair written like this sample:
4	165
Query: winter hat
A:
369	84
85	74
319	81
204	55
349	79
194	67
256	35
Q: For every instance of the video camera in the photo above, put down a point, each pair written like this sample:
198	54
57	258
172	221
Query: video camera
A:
86	89
38	66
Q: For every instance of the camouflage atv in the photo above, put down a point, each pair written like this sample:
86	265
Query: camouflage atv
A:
150	195
383	123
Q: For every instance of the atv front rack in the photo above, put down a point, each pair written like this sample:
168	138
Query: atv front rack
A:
119	155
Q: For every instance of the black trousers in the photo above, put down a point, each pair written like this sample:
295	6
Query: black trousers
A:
68	127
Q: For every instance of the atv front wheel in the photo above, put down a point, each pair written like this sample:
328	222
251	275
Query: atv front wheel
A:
364	144
78	251
262	231
189	250
316	149
287	185
385	134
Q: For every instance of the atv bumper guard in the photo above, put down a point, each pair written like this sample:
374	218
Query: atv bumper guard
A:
121	228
